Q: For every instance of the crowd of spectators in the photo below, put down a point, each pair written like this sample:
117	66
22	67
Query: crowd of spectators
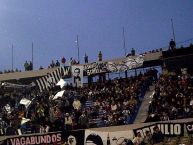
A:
10	71
173	97
62	62
28	66
156	138
54	64
114	102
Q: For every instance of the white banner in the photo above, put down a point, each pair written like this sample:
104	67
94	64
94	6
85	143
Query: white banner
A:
25	102
77	74
59	95
125	64
62	83
105	138
116	65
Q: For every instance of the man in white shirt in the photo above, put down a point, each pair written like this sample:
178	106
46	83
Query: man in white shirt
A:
76	104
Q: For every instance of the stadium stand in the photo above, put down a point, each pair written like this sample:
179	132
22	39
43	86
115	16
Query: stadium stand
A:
104	103
113	103
172	97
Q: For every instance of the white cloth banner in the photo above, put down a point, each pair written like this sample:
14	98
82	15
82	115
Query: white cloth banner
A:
25	102
125	64
77	73
59	95
115	138
61	83
24	120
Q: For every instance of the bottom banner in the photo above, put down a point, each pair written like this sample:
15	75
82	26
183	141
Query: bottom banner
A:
107	138
73	137
168	129
36	139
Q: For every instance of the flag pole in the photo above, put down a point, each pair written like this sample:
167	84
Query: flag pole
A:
124	42
12	57
32	59
77	40
173	30
124	48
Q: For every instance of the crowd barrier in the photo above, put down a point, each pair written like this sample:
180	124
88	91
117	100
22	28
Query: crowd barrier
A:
103	136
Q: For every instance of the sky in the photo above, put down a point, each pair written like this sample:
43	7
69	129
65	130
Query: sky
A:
53	25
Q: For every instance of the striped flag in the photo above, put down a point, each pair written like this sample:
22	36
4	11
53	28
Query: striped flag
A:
51	79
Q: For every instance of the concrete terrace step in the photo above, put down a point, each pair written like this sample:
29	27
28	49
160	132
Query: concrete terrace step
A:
143	110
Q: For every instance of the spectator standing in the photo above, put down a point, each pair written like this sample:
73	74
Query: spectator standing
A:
71	61
132	52
76	104
157	136
172	44
148	138
44	128
30	65
11	130
26	65
58	125
52	64
113	106
68	121
100	56
86	58
138	140
57	63
40	112
83	121
51	112
63	61
155	74
164	117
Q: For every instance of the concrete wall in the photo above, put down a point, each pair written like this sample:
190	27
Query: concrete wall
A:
25	74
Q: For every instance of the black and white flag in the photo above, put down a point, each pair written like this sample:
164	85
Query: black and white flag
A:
51	79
